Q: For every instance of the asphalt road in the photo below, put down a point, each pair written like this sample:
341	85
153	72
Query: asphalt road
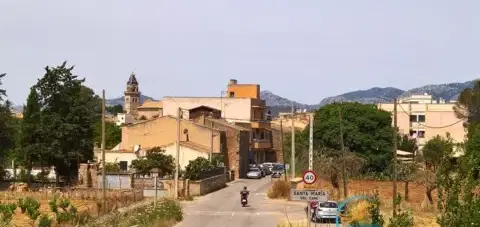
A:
222	208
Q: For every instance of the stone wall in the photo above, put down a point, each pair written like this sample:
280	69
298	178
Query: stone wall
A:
208	185
235	147
186	187
87	175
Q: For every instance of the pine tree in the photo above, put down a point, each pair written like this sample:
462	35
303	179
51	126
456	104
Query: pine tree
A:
31	139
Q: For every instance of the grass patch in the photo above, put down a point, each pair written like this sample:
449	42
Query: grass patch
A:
167	213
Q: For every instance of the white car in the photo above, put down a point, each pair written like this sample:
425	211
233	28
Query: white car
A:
254	173
326	210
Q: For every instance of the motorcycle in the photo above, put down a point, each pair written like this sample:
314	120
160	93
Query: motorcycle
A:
244	200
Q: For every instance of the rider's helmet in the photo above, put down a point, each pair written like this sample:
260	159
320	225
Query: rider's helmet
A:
245	188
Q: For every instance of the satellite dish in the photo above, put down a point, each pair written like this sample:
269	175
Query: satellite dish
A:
414	136
136	148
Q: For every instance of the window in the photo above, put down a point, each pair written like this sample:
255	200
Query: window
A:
421	134
421	118
413	118
232	94
123	165
262	135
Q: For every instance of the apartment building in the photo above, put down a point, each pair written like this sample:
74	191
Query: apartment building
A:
240	104
423	118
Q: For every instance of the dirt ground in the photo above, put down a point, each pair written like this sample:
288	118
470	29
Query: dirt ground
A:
424	215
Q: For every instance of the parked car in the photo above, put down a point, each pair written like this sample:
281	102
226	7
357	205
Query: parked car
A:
268	167
277	170
254	173
325	211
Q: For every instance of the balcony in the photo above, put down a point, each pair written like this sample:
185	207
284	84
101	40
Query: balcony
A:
261	144
260	124
258	103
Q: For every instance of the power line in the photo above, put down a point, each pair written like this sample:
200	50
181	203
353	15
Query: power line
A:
427	126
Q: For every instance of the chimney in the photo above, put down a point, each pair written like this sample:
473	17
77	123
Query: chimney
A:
232	82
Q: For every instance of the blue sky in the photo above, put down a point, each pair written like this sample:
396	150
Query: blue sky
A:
302	50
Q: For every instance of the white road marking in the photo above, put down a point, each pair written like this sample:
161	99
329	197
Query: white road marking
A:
225	213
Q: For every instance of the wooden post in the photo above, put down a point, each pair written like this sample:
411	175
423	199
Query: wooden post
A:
394	150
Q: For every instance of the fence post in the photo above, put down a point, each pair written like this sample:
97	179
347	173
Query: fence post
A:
156	191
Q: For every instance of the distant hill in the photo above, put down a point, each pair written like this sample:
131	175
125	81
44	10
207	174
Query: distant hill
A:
444	91
372	95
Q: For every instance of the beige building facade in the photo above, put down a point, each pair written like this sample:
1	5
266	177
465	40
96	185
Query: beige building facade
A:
189	151
424	118
161	131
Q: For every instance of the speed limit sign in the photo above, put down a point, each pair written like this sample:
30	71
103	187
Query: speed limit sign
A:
309	177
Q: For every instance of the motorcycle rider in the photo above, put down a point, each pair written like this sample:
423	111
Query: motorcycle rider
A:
244	192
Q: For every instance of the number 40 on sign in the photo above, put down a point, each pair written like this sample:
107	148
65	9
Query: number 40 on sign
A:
309	177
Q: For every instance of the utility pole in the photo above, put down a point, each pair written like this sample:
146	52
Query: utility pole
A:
104	178
177	156
283	150
394	150
292	159
342	146
211	140
310	144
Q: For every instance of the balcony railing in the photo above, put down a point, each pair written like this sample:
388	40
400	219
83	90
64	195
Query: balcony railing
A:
260	124
261	144
258	103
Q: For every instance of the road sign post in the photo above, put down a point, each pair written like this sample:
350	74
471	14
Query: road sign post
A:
309	195
309	177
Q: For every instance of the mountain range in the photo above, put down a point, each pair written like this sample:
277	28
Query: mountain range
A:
449	91
277	103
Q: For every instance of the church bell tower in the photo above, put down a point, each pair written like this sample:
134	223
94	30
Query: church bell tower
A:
132	96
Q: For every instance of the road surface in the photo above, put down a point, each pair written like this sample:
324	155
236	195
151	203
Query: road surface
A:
222	208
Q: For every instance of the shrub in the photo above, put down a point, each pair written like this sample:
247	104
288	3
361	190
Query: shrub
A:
374	210
112	167
7	210
45	221
67	212
279	189
404	219
29	205
359	211
195	168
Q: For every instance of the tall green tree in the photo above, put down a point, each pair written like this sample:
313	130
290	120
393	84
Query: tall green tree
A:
69	111
30	143
155	158
458	182
7	131
434	152
367	131
113	134
116	109
468	104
